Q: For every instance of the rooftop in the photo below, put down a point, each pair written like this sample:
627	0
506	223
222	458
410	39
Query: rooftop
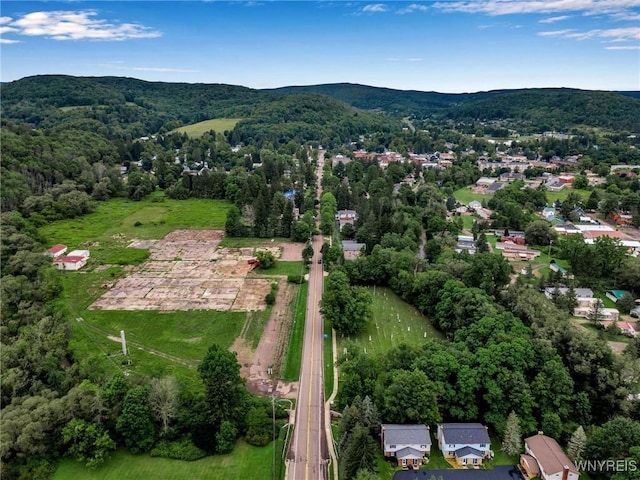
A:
465	433
549	454
406	434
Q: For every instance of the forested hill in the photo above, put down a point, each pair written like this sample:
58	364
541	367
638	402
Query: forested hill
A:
541	109
125	108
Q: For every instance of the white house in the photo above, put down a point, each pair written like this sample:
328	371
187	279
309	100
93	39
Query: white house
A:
70	262
545	459
409	444
468	443
74	261
57	250
346	216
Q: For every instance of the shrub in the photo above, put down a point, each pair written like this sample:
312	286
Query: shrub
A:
295	279
270	298
183	449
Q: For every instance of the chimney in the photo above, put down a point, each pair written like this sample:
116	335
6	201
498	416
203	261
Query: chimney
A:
565	472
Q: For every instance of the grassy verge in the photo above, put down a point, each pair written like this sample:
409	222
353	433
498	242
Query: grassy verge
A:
244	462
257	321
125	256
284	268
436	459
327	352
246	242
291	371
394	322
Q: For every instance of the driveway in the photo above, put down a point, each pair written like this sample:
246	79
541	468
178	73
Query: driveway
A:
507	472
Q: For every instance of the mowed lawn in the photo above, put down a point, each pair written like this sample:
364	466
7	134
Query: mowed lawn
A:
244	462
394	322
466	195
218	125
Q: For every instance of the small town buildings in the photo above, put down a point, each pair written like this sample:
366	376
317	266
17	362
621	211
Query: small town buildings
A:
485	181
352	249
409	444
545	459
466	443
346	216
57	250
514	251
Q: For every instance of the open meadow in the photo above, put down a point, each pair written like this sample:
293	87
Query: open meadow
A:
218	125
174	295
394	322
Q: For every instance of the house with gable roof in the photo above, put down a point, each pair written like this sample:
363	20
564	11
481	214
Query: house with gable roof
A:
409	444
466	443
545	459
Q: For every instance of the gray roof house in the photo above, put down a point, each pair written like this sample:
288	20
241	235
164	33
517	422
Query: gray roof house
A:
407	443
352	249
467	443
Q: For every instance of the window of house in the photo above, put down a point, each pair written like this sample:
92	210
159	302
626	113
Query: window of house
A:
483	445
392	446
475	461
404	461
423	447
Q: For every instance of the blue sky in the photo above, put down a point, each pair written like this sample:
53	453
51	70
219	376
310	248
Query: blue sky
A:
445	46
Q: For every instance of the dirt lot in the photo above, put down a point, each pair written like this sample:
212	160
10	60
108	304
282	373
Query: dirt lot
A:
187	271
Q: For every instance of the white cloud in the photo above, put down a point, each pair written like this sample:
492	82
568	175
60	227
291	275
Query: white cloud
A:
5	20
375	8
611	34
510	7
8	41
557	33
414	7
555	19
623	47
77	25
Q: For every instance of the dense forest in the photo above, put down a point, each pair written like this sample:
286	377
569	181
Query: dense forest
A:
534	109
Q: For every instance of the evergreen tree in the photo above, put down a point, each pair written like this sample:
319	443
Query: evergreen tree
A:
577	443
512	441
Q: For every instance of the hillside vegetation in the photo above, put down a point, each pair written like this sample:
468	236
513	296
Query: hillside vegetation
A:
540	108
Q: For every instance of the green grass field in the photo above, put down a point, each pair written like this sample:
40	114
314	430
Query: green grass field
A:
219	125
244	462
327	352
564	193
385	331
293	361
466	195
245	242
284	268
156	217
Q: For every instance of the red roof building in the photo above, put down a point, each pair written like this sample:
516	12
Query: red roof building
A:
57	250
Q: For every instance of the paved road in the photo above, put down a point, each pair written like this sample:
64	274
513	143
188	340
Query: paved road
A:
308	453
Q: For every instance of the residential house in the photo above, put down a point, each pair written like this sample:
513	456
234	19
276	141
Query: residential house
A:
549	213
466	243
352	249
346	216
409	444
586	310
485	181
467	443
513	251
57	250
545	459
584	296
615	295
630	329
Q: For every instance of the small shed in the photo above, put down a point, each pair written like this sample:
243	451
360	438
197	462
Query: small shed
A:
57	250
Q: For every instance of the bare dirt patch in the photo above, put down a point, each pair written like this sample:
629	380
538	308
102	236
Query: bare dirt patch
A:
187	271
270	351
